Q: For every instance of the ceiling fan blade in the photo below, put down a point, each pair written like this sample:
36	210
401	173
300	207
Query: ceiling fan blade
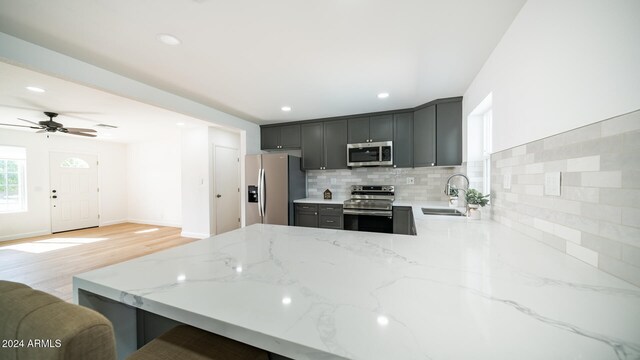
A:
80	133
31	127
41	131
80	129
29	121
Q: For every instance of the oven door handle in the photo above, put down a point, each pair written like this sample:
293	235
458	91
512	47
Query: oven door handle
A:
367	212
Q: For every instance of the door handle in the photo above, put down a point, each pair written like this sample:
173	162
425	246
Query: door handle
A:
218	196
54	197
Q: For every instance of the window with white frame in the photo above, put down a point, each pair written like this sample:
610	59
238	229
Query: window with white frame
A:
486	151
13	179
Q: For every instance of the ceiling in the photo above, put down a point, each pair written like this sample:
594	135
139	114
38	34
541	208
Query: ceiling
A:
84	107
251	57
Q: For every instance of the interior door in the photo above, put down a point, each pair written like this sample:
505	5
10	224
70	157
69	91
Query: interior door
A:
74	191
227	189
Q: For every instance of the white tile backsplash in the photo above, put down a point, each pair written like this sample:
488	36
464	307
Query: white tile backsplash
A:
429	182
596	218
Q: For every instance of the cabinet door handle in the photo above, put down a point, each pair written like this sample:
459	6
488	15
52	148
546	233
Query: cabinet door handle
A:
330	221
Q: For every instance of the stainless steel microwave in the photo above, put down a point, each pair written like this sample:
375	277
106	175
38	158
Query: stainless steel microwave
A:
370	154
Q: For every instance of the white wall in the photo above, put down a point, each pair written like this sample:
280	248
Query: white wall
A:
561	65
154	181
37	220
196	219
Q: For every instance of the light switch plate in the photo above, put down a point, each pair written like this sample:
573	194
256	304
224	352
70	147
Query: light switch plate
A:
411	180
552	183
506	181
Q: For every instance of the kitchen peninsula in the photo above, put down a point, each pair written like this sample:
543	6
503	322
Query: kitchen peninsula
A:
460	289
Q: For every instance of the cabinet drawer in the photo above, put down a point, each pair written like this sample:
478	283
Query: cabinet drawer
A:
330	221
307	207
330	209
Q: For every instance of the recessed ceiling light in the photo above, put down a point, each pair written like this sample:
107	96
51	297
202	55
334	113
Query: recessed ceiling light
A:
35	89
180	124
383	95
169	39
286	108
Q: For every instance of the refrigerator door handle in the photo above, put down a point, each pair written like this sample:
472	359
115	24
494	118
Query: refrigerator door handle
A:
259	192
263	193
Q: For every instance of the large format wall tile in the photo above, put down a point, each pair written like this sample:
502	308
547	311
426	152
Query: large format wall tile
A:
597	216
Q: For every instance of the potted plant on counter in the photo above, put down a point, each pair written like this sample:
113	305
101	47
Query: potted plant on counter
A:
453	196
475	200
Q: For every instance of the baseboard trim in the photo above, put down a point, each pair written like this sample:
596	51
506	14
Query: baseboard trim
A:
154	222
113	222
25	235
194	235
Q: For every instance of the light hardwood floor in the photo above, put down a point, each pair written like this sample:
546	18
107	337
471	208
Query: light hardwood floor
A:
48	262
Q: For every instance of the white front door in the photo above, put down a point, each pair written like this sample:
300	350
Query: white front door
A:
227	189
74	191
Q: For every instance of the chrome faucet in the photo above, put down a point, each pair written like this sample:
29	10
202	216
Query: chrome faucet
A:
447	189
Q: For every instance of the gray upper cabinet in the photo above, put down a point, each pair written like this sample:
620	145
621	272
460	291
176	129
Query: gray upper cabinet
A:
269	137
358	130
335	144
324	145
449	133
370	129
280	137
424	136
381	128
312	145
428	136
403	140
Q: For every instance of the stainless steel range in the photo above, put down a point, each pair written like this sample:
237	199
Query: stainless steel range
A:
370	208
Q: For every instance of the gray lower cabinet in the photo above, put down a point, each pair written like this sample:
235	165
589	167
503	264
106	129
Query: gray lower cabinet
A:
403	140
403	222
319	215
449	133
330	216
324	145
306	215
424	136
280	137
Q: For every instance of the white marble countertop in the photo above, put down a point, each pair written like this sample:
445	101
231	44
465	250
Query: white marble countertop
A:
338	201
460	289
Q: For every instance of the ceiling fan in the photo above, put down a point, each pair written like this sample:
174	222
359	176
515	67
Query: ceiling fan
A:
51	126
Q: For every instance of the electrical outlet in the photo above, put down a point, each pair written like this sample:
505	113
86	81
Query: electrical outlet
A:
411	180
506	181
552	184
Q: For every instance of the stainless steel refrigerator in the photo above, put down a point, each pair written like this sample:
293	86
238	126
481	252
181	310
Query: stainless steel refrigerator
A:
273	182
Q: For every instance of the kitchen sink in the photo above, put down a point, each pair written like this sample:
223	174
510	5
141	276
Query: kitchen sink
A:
441	211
